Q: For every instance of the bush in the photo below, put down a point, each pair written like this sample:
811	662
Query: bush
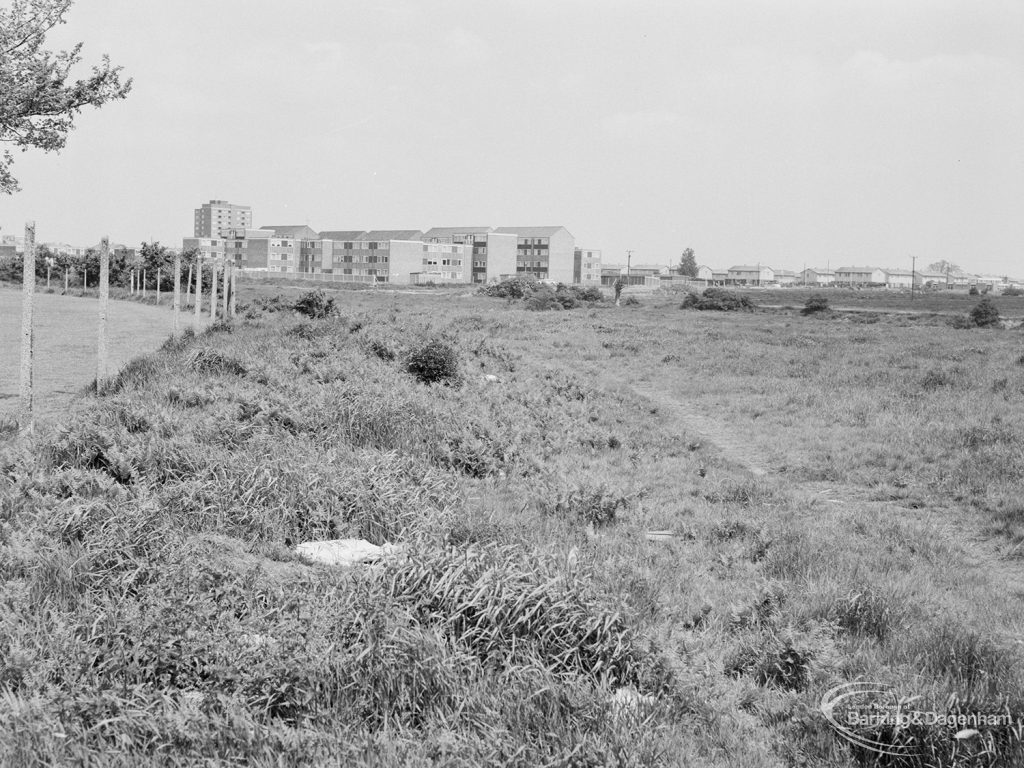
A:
961	322
815	303
315	304
514	288
1013	292
435	362
541	296
985	314
973	291
717	299
544	299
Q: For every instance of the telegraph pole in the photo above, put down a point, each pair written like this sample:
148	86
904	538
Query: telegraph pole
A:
913	275
629	260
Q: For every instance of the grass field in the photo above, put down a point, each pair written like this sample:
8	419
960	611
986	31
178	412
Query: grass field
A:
837	498
65	344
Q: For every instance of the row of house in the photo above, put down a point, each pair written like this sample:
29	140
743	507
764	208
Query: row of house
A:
853	277
408	256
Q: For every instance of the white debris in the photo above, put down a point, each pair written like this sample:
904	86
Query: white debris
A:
629	701
344	552
660	535
490	378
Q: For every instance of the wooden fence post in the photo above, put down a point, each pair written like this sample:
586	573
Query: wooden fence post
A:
143	284
101	352
176	302
199	287
234	290
28	289
158	286
65	279
213	290
188	285
48	268
227	286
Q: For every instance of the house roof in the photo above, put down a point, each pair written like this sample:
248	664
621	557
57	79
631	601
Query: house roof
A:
298	231
448	231
820	271
531	231
859	269
899	272
744	268
785	273
392	234
342	234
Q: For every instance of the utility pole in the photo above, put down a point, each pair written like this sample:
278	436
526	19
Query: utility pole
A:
913	275
629	260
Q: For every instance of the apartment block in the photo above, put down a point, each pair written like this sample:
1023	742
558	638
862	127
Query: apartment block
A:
416	262
208	247
494	253
546	253
216	217
586	266
443	254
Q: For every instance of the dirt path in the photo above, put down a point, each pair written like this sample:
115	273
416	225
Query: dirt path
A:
1000	560
709	431
65	339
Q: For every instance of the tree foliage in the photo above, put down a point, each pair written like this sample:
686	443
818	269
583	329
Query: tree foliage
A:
38	96
687	263
944	266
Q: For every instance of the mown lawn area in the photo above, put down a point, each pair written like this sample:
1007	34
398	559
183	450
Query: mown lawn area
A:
632	536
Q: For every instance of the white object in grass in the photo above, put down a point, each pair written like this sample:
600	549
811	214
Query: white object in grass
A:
343	552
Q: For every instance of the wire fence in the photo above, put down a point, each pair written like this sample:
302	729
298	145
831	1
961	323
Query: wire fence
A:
68	322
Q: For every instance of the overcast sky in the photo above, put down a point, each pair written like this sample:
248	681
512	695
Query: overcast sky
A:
786	133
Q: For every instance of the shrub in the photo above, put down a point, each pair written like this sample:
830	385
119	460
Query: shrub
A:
315	304
544	299
514	288
435	362
973	291
1013	291
815	303
631	301
717	299
985	314
269	303
541	296
961	322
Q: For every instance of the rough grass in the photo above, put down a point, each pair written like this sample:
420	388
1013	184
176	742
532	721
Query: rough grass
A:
155	612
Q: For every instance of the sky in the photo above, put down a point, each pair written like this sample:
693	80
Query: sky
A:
783	132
